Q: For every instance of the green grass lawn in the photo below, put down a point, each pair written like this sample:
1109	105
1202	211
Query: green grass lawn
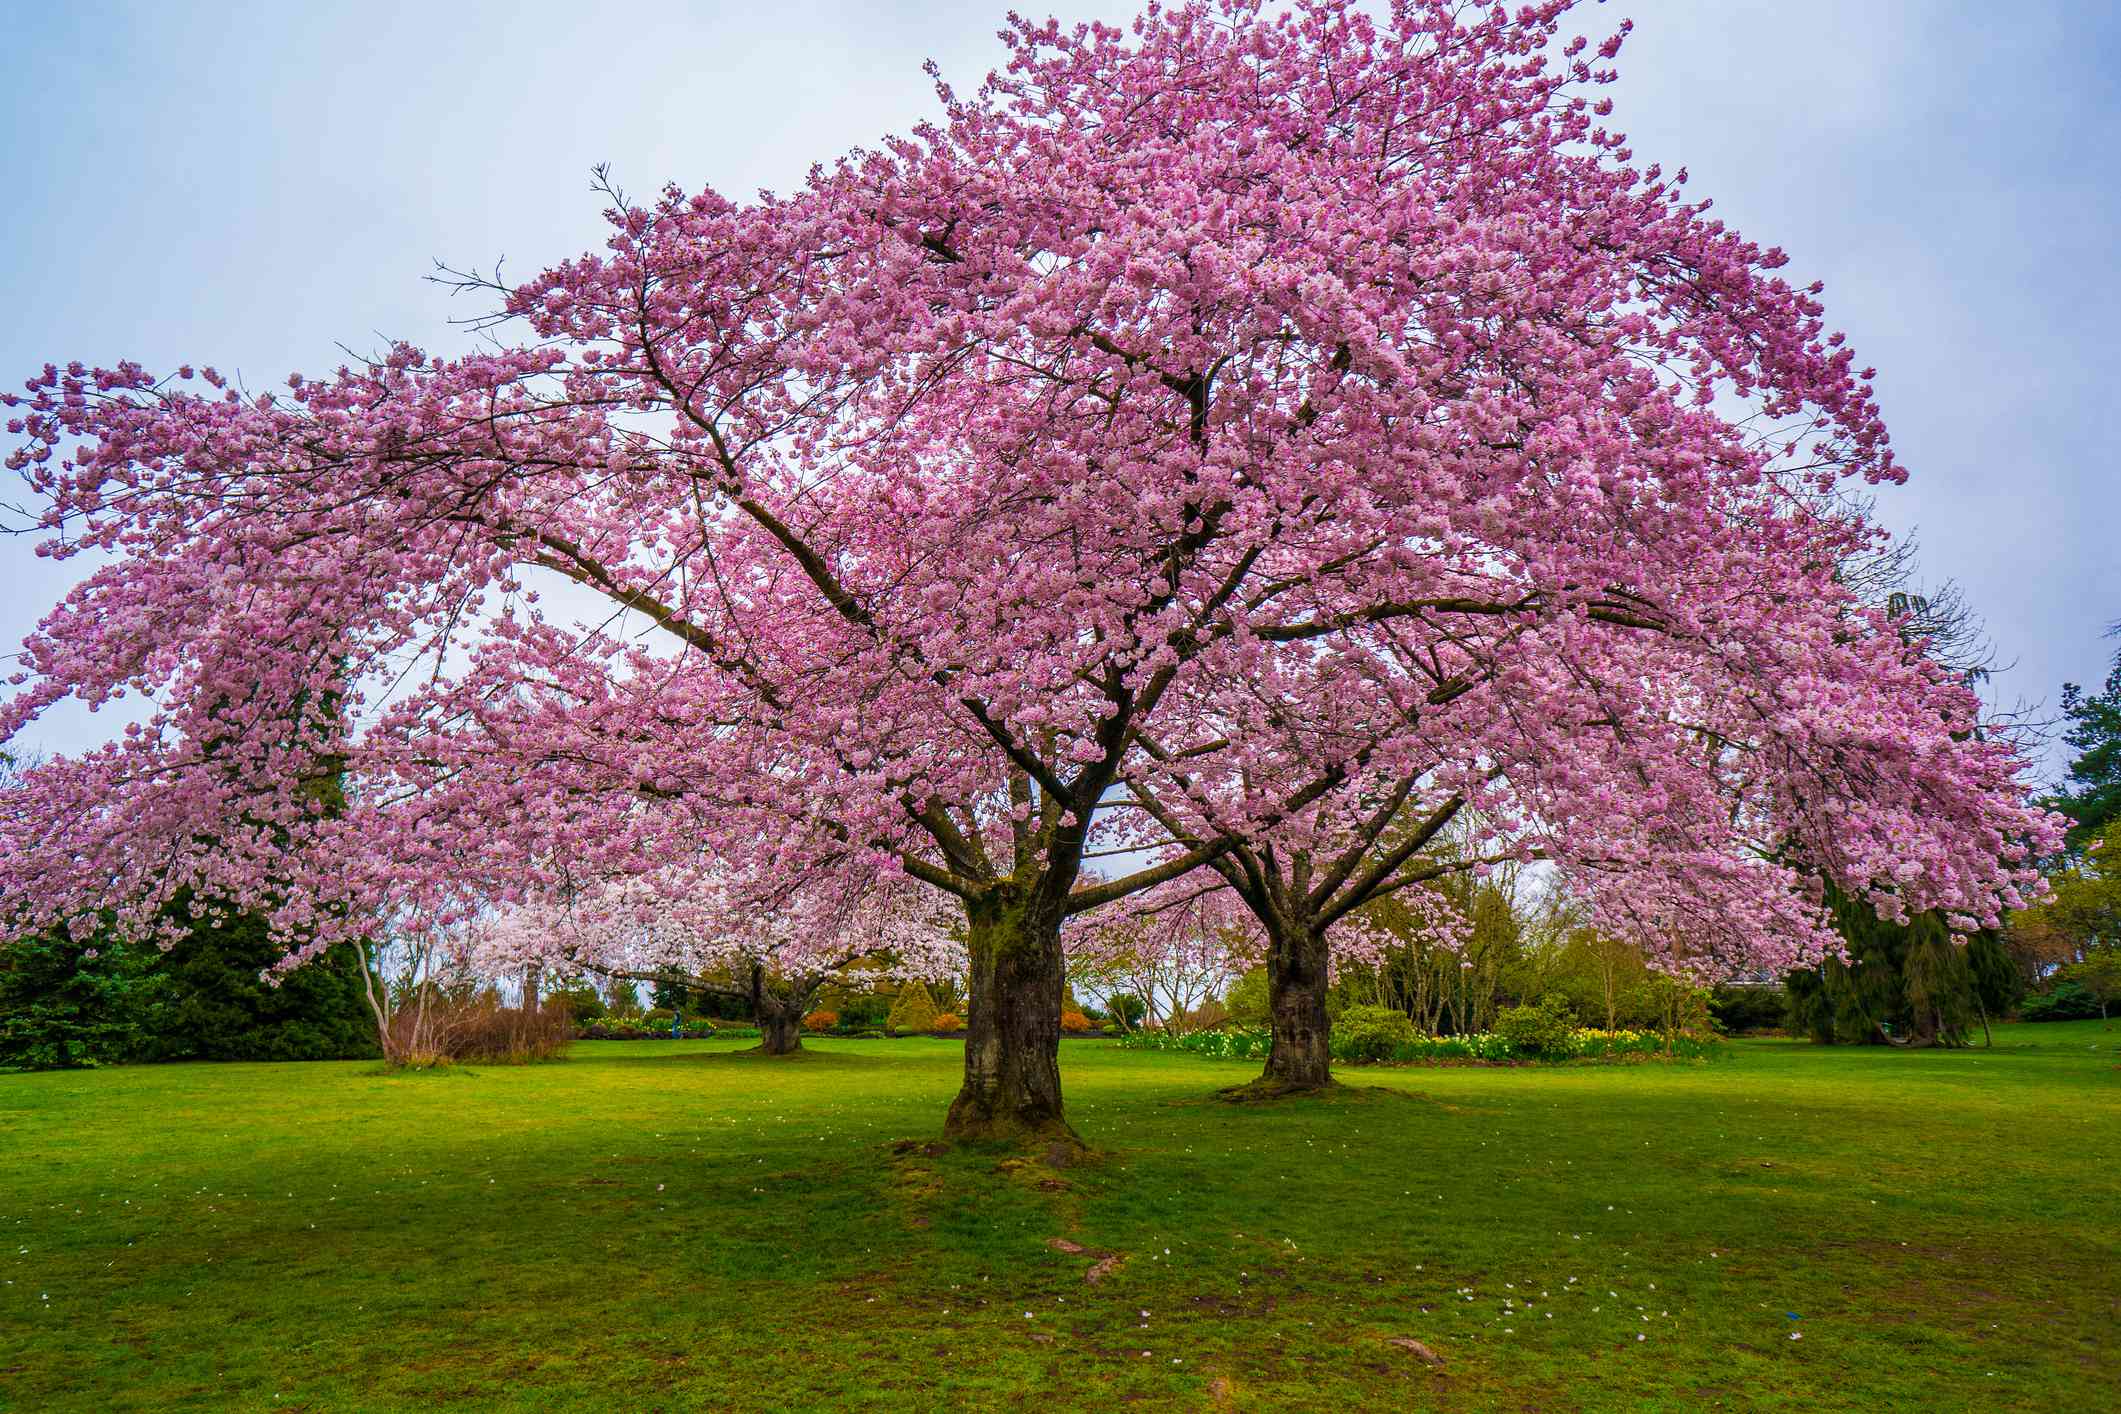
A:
658	1225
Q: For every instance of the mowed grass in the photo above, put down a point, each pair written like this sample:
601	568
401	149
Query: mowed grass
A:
658	1226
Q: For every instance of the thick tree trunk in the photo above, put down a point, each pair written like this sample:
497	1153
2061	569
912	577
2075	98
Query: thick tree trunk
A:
530	990
780	1016
1300	1056
779	1033
1012	1084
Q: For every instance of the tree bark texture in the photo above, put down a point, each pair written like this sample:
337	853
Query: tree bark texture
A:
1012	1086
1300	1055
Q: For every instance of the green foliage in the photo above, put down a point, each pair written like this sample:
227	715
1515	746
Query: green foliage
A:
2065	1001
869	1010
717	1001
2099	974
640	1028
1247	1001
583	1002
1371	1033
622	997
858	1004
65	1004
1997	983
2093	801
1739	1011
675	992
2081	917
213	1005
1901	982
1252	1044
1541	1029
1127	1009
1444	984
913	1012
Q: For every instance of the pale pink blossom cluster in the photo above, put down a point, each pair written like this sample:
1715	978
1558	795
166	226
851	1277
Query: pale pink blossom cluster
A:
702	923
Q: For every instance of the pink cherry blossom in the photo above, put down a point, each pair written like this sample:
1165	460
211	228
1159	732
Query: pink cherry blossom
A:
1196	439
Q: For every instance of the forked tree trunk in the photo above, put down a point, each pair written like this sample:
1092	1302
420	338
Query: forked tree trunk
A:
1012	1084
780	1016
1300	1055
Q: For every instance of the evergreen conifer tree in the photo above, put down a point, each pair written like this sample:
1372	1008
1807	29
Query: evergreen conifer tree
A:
2093	800
65	1004
1902	984
913	1012
214	1005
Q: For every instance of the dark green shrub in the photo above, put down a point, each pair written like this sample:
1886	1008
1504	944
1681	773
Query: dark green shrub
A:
1738	1010
584	1003
1543	1029
868	1010
212	1006
1371	1033
65	1003
2065	1001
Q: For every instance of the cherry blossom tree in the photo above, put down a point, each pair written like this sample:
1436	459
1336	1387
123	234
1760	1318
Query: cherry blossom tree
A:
771	945
1087	447
1175	946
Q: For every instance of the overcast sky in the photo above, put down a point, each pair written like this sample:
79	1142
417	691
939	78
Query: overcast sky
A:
252	187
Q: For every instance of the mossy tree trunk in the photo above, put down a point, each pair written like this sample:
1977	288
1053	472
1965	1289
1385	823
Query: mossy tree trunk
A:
1012	1086
779	1011
1300	1055
780	1032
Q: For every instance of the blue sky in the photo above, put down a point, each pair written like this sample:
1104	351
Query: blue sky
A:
253	186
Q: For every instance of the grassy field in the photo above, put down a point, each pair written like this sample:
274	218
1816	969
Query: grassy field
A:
657	1225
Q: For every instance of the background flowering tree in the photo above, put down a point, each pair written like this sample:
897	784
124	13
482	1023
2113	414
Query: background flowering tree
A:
1176	947
771	945
1093	439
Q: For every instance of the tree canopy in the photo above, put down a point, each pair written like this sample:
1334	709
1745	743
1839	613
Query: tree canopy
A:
1207	440
2092	798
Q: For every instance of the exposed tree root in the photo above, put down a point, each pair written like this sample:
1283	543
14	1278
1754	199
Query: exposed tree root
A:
1268	1089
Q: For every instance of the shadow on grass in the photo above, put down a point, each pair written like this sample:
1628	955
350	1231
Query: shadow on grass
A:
1270	1099
806	1057
384	1070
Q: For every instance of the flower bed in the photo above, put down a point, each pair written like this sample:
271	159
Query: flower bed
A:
634	1031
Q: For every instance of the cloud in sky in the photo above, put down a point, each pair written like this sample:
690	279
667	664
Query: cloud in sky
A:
252	188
